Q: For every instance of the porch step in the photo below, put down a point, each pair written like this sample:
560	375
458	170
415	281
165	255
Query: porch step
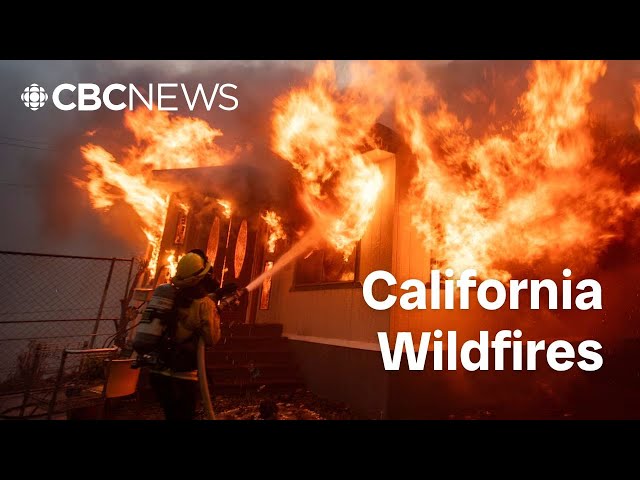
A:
250	357
239	386
273	344
255	330
251	371
246	356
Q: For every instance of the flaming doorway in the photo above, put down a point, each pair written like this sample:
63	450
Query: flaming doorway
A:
207	212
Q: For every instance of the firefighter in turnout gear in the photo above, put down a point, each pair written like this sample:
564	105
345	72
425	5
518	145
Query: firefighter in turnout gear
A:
174	377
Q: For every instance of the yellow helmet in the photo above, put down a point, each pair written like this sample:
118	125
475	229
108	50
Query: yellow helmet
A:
190	270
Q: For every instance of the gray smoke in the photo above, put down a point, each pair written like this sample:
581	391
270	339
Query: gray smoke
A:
40	149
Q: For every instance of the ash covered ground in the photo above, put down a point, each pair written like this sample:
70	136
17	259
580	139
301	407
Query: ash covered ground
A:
299	405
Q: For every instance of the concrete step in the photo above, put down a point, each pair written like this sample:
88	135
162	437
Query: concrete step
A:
255	371
253	330
275	344
252	357
246	356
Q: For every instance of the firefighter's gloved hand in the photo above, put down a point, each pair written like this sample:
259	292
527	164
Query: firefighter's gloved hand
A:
231	300
226	290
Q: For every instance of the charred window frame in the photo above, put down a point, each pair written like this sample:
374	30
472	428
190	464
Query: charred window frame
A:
311	273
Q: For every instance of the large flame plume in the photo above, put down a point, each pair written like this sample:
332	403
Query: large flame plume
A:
636	102
320	130
524	195
530	193
161	142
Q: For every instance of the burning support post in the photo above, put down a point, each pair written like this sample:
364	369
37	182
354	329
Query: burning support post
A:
227	213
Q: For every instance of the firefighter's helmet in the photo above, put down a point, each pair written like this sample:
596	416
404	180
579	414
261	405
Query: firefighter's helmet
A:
190	270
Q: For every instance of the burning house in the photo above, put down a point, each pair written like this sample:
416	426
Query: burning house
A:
317	298
536	195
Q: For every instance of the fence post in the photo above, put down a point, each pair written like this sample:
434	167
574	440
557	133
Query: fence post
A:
34	364
54	395
126	288
104	299
121	324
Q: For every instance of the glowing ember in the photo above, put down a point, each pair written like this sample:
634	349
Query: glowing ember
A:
162	142
276	232
319	130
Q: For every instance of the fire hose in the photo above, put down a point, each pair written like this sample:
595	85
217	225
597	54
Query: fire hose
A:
224	303
202	380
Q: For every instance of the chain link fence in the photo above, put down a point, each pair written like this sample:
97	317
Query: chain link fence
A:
52	302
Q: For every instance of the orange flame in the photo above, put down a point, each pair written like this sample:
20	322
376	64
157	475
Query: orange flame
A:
636	102
528	194
172	263
320	130
162	142
226	206
273	220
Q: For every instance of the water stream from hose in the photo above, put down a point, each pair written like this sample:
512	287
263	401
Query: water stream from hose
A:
298	249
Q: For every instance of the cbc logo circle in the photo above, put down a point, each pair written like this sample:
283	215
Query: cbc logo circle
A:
34	96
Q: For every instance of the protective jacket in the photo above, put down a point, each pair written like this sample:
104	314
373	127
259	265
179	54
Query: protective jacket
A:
200	317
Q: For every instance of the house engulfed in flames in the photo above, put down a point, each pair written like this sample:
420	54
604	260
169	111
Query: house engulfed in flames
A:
318	297
536	193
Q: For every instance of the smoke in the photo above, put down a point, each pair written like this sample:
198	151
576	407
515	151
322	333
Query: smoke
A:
29	147
50	213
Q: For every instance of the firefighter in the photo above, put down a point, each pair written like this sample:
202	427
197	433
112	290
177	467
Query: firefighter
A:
175	377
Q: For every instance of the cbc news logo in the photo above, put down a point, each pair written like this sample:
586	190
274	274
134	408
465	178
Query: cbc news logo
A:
34	96
118	96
